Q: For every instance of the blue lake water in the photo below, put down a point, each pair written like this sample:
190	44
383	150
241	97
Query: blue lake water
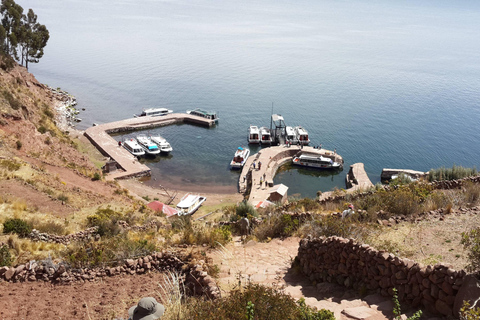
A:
392	84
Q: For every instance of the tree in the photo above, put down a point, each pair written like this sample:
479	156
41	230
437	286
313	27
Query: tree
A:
33	38
11	22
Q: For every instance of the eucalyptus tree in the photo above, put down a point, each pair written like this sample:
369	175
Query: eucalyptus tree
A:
11	22
33	37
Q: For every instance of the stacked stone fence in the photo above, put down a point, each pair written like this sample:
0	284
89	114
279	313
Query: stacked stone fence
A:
84	235
359	266
196	278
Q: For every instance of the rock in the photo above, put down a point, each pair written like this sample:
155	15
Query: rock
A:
360	313
9	274
19	269
3	270
443	308
469	291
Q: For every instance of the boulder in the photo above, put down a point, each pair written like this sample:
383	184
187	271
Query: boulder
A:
469	291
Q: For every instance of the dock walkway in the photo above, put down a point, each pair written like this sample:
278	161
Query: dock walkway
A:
129	166
271	159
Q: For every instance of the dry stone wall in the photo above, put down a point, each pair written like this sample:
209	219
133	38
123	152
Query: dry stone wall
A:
84	235
196	278
360	266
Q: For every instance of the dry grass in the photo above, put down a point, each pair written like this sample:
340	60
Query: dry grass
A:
24	250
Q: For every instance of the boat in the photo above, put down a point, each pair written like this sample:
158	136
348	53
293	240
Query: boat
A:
153	112
133	147
148	145
162	144
204	114
291	136
253	135
265	136
189	204
302	135
316	161
240	157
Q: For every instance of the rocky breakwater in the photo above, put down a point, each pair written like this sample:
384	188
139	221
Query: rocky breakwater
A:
66	107
196	278
360	266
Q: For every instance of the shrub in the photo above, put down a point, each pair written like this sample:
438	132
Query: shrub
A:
18	226
18	143
191	233
469	313
276	226
471	192
106	220
245	210
48	112
334	226
254	302
397	311
50	227
10	165
456	172
14	103
7	63
5	256
42	129
63	197
471	243
96	176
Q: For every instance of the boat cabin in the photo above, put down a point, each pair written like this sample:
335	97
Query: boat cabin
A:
204	114
291	136
133	147
253	135
155	112
302	135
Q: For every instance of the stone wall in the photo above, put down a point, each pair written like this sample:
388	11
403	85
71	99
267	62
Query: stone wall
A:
84	235
351	264
196	278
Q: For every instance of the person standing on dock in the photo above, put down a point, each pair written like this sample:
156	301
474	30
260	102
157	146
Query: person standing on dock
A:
261	181
259	165
254	165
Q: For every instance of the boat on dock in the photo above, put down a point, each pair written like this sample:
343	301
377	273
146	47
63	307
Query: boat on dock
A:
240	157
302	135
290	135
265	136
316	161
210	115
162	143
148	145
253	134
189	204
133	147
153	112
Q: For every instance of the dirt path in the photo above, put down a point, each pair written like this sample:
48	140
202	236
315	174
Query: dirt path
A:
269	263
108	299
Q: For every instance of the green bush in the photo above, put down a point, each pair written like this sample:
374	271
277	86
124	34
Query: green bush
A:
7	63
276	226
245	210
96	176
18	226
254	302
471	243
106	220
18	143
456	172
14	103
191	233
10	165
469	313
42	129
5	256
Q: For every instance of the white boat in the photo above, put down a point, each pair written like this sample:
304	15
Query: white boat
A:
189	204
315	161
253	135
265	136
154	112
133	147
291	136
302	135
204	114
240	157
162	143
148	145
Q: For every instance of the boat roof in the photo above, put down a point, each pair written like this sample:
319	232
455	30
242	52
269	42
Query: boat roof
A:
188	201
290	130
253	129
314	157
209	113
132	143
155	109
301	130
277	117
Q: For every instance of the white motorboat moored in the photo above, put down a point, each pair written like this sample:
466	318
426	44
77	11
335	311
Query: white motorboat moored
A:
154	112
189	204
162	143
291	136
265	136
240	157
133	147
253	134
302	135
211	115
147	145
316	161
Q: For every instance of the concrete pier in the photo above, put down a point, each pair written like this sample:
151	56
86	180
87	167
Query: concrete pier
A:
271	159
357	178
388	173
127	163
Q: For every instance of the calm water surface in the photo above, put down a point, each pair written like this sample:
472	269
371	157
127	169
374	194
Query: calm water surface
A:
390	84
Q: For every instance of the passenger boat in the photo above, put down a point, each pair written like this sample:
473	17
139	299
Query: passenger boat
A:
315	161
189	204
265	136
133	147
253	135
162	144
148	145
204	114
153	112
302	135
291	136
240	157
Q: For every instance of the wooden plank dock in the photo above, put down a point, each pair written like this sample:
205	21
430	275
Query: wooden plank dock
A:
128	165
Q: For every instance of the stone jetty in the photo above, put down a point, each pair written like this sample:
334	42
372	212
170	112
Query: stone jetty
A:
267	161
126	163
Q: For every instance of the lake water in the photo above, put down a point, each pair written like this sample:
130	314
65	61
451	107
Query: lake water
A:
392	84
